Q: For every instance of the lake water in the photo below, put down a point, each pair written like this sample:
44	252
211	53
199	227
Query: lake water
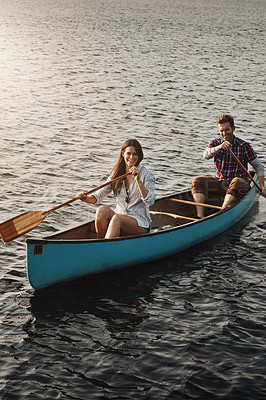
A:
77	79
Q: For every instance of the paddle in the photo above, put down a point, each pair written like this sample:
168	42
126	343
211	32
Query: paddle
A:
23	223
245	170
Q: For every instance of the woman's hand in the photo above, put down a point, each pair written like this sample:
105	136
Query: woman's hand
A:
88	199
134	172
82	196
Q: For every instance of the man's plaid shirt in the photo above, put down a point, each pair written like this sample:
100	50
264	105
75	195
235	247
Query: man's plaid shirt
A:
225	165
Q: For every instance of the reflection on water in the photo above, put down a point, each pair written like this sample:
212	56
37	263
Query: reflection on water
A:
78	78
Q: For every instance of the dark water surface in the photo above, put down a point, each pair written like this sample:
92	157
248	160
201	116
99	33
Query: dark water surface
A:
77	79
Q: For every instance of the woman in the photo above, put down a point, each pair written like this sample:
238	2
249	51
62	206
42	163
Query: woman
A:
134	194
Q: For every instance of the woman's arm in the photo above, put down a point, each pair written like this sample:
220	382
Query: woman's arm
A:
142	188
87	199
146	190
98	196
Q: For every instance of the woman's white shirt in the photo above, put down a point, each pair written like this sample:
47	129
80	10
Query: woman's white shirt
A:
137	206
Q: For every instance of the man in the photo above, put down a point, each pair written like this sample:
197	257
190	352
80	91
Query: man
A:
230	179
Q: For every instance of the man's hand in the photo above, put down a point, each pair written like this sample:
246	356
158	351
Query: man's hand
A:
263	191
225	145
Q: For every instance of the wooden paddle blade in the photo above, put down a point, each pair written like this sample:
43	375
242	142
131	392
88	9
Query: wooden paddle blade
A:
21	224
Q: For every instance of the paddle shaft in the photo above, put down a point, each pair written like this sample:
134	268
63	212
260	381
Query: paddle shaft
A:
88	193
244	169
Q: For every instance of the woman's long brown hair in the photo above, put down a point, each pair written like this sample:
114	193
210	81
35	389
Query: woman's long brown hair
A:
120	166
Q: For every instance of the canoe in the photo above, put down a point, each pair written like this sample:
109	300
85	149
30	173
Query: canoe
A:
77	252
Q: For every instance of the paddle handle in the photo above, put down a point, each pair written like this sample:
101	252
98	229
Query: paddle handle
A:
89	192
245	170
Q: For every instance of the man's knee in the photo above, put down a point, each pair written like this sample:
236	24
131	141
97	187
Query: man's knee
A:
199	185
238	188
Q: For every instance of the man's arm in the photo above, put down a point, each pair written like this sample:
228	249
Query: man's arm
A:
257	165
210	152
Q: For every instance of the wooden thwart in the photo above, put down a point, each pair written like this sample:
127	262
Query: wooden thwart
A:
176	216
23	223
193	203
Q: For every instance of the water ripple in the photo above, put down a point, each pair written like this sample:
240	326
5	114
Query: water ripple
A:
79	78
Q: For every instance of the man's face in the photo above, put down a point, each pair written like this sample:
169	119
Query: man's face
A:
226	132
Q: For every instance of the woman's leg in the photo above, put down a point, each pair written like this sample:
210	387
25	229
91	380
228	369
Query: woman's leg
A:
103	217
123	224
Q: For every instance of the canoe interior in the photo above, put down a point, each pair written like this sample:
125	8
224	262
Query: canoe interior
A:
159	221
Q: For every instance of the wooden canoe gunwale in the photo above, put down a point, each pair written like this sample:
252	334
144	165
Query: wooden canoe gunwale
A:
50	240
55	258
58	241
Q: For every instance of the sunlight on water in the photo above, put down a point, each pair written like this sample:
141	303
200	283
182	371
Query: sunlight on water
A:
79	78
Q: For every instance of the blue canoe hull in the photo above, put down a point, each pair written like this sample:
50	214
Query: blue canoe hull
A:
51	260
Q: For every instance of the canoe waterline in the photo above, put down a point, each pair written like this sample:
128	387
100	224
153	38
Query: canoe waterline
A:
51	260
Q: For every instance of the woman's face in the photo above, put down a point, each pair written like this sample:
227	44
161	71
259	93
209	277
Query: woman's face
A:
130	156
